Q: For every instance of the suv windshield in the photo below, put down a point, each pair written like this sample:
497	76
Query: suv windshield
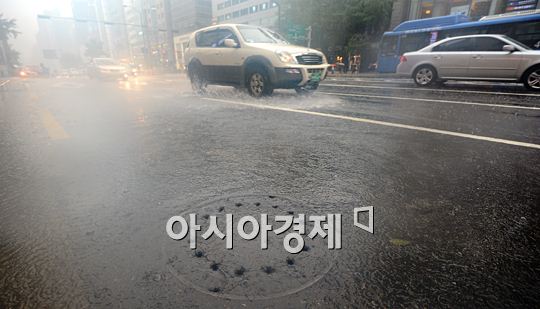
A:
260	35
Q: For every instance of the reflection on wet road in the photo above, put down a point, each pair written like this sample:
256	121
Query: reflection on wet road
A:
91	172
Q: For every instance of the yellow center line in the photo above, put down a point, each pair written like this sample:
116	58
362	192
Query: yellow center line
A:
55	131
53	127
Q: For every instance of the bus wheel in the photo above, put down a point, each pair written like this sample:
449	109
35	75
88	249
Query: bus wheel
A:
425	76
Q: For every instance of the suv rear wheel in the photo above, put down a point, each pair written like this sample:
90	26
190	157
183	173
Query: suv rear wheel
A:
258	83
198	82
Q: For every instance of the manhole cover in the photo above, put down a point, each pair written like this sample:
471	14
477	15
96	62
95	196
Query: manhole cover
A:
247	271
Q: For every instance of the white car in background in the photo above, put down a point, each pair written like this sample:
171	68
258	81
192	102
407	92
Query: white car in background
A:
473	57
106	68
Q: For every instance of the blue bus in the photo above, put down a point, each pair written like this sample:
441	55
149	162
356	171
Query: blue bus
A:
416	34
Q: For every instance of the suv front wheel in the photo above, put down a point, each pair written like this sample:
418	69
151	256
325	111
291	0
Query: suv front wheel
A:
258	83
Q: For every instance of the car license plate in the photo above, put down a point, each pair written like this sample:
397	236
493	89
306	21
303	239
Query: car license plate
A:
315	77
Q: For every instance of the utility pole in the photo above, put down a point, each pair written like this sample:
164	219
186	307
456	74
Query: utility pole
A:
171	59
309	36
143	24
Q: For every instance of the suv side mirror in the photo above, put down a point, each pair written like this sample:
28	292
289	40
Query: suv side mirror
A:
509	48
230	43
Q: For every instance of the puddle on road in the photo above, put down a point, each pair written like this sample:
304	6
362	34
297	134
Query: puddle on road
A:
281	97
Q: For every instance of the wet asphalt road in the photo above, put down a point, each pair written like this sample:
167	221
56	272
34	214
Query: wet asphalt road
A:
91	171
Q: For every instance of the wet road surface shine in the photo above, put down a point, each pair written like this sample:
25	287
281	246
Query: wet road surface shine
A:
383	123
83	218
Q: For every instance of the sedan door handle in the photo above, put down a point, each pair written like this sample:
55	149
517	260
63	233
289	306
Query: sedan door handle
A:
437	57
477	57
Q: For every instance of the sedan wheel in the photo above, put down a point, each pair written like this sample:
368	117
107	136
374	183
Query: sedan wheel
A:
533	80
424	76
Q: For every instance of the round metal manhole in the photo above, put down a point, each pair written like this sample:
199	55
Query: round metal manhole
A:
247	271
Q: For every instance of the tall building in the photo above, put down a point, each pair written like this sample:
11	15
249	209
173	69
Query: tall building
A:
253	12
417	9
133	17
114	24
84	10
190	15
102	21
56	44
185	17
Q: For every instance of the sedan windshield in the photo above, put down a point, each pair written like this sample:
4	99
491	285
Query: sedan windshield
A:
105	61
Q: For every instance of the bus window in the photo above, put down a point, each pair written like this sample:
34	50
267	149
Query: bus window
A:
528	34
506	29
413	42
468	31
389	45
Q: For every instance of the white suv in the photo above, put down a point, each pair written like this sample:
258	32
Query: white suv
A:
253	57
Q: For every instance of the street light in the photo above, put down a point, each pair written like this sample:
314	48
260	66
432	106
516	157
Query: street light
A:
143	25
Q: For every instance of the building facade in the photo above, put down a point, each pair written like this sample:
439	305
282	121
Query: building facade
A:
56	44
190	15
254	12
102	21
114	23
417	9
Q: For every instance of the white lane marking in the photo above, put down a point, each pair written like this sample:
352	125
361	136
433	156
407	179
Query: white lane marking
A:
68	85
430	100
371	81
439	90
4	82
382	123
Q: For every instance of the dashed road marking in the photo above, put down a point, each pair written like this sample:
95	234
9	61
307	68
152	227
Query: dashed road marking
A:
435	90
431	100
383	123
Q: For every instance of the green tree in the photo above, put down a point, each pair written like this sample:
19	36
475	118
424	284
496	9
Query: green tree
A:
348	25
7	28
94	49
8	31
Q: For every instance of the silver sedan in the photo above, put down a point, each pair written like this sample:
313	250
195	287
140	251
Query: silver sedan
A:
473	57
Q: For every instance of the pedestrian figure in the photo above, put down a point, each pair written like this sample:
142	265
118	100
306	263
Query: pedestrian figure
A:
356	63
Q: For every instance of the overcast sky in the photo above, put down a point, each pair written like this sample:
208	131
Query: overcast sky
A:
25	11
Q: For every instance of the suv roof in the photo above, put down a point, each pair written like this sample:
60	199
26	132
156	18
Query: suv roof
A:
228	25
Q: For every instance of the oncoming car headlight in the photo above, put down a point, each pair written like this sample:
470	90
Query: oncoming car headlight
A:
285	57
